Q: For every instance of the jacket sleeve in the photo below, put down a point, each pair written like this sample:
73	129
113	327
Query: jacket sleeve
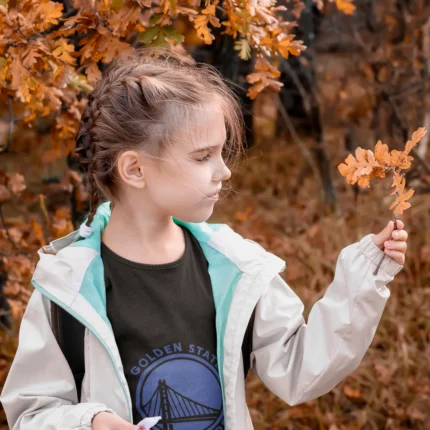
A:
298	361
40	391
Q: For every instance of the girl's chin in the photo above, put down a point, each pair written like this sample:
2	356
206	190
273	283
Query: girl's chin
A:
198	216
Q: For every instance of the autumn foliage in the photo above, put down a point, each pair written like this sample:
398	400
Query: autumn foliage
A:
367	165
51	55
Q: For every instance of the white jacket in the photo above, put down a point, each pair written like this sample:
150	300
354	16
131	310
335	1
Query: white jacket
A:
297	361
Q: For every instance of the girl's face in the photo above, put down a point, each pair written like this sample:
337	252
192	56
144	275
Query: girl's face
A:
185	182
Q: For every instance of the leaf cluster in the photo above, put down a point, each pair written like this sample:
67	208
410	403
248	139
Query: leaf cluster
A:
367	165
51	54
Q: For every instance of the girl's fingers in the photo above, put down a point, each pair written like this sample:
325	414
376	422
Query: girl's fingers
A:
400	235
400	225
397	256
396	246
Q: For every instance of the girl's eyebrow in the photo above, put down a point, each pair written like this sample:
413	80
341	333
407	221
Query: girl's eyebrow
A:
206	148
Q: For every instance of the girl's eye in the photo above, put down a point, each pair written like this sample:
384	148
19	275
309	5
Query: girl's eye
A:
205	158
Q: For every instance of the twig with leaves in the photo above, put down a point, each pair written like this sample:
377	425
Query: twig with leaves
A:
367	165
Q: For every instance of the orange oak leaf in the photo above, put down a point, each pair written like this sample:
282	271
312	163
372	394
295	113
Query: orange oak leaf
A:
417	135
382	155
402	159
398	183
201	23
44	14
29	56
63	50
361	168
287	46
264	76
400	203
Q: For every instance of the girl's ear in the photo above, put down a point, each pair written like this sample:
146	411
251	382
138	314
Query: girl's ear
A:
131	169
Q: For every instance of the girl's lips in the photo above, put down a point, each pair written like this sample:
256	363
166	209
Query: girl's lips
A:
214	196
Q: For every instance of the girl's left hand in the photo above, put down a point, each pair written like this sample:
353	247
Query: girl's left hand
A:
396	247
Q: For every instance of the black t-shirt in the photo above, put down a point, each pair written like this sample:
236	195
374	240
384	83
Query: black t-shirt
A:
163	319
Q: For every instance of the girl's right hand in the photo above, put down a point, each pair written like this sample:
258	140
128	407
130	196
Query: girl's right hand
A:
110	421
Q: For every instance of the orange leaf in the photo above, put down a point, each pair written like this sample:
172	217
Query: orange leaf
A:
288	46
400	159
399	183
362	168
417	135
46	14
400	203
345	6
382	155
62	51
29	56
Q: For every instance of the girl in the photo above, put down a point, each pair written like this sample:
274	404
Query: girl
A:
166	298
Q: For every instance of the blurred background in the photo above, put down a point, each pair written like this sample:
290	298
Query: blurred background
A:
317	79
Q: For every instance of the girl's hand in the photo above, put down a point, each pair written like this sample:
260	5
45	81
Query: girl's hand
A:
110	421
396	247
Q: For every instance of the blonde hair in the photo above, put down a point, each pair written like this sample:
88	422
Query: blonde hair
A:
139	103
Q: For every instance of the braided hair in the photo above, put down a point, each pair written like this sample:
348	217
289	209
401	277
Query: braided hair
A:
140	102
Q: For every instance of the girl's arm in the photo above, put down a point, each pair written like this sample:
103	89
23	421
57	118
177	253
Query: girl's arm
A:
298	361
40	391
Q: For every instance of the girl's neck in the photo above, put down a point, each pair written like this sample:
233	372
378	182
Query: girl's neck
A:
142	238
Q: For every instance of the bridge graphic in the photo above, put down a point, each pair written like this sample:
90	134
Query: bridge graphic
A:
175	408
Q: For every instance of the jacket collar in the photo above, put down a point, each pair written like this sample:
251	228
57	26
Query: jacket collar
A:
202	231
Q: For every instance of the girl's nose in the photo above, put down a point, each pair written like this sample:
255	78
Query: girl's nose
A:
223	174
227	173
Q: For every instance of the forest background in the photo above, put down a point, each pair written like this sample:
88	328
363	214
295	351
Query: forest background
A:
317	79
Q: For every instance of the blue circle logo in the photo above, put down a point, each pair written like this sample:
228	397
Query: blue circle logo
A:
184	390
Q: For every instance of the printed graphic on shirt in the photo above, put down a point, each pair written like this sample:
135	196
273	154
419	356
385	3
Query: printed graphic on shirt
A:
181	384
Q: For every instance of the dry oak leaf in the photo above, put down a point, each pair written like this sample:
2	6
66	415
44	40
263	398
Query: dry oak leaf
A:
264	76
361	168
382	155
63	50
400	204
402	159
287	46
201	23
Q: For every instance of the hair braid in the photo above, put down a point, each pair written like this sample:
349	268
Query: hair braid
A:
86	148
